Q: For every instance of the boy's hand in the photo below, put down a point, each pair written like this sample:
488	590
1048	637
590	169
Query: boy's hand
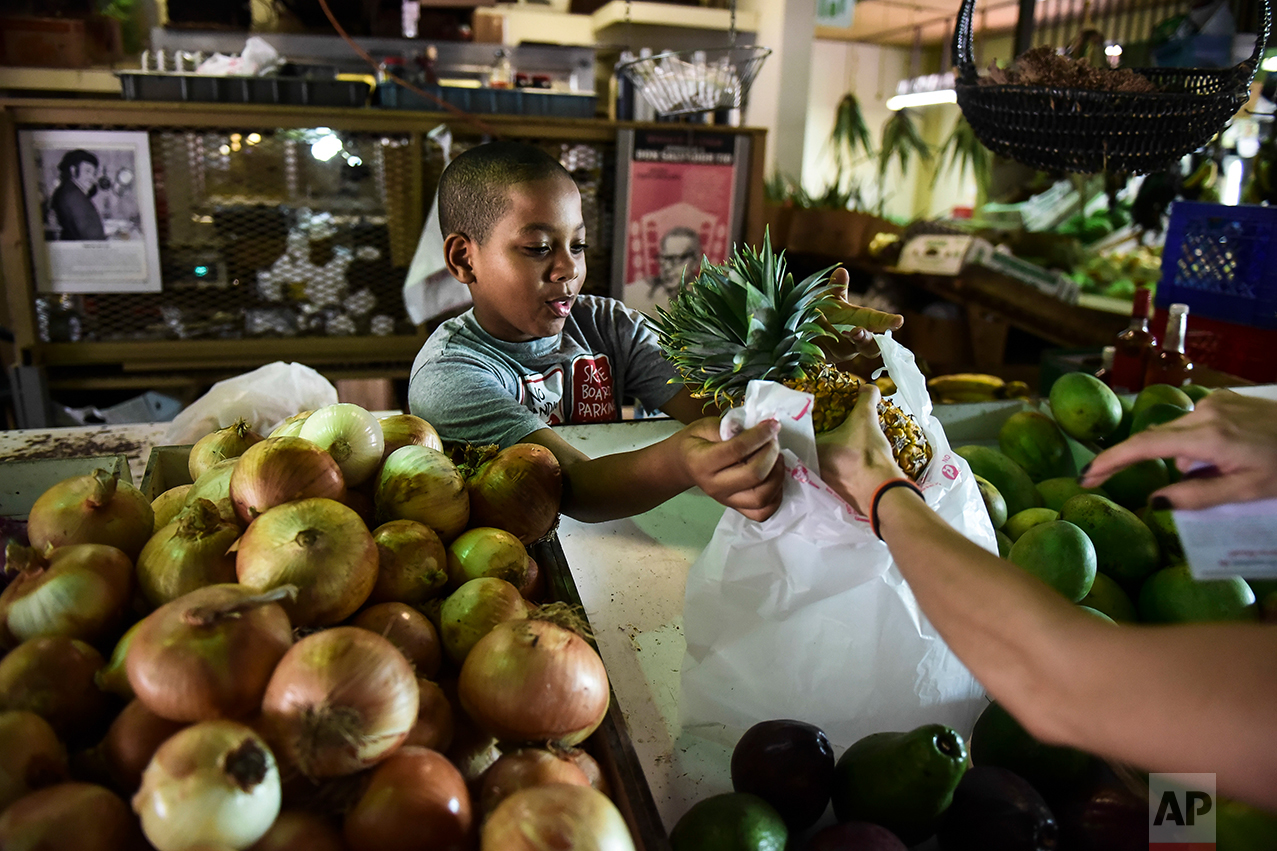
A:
859	341
744	473
855	457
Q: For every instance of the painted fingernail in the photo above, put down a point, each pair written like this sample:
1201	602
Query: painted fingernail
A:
1205	471
1081	474
1160	503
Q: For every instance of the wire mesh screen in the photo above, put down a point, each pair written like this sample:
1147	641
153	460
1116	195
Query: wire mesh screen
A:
293	233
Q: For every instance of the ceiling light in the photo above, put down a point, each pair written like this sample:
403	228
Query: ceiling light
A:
326	147
922	99
1269	64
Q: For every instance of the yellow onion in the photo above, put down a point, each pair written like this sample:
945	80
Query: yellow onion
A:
435	725
487	551
340	700
556	816
80	591
188	554
280	470
534	681
99	508
524	768
412	563
31	757
133	738
407	629
470	613
351	435
210	653
214	782
218	446
318	545
422	484
290	426
215	486
408	430
167	505
519	490
113	678
69	815
298	830
53	677
415	793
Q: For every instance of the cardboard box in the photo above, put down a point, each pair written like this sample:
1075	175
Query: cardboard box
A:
22	482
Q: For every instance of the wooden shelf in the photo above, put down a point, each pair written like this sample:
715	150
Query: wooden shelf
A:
84	80
672	15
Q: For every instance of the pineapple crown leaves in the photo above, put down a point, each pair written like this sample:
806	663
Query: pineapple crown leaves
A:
746	319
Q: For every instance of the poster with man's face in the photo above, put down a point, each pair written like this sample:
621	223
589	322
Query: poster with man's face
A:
681	199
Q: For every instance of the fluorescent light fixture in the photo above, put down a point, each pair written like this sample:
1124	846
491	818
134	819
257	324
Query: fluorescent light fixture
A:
1113	50
1269	64
922	99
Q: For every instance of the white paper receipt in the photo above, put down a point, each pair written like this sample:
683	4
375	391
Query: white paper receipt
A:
1238	539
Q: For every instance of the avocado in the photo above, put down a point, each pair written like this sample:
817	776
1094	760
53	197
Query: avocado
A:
1125	548
855	836
790	765
998	739
1020	523
902	781
1085	407
993	502
996	810
1131	487
1060	554
1033	440
1007	476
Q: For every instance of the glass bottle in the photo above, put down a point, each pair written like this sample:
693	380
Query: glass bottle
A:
1105	372
1134	347
502	74
1171	365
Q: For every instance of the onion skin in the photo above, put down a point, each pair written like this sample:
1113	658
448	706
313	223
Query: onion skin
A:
534	681
218	446
318	545
556	816
208	654
297	830
133	738
79	816
213	782
590	766
407	629
31	756
112	677
280	470
412	563
167	505
487	551
422	484
53	677
415	799
291	426
339	701
351	435
519	490
81	591
470	613
435	726
215	486
523	769
100	508
399	430
188	554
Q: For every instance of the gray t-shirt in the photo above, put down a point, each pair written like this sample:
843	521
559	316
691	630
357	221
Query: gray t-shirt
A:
473	387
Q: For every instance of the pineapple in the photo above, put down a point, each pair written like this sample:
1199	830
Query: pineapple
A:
747	319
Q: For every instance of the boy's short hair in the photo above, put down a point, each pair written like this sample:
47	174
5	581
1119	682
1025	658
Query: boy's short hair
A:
473	190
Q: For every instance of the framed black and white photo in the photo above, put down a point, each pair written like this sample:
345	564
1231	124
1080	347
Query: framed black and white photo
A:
90	210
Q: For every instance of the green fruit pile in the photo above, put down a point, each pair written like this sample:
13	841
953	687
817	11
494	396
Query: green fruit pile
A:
1104	548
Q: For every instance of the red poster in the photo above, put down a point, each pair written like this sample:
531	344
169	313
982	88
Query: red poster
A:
680	206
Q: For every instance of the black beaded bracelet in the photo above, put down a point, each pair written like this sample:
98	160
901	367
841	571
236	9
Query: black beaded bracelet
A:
883	488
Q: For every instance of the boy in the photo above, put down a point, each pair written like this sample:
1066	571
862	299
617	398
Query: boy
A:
533	352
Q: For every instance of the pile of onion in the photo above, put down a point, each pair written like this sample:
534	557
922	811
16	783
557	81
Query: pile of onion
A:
473	610
280	470
518	490
98	508
412	563
290	426
167	505
31	757
416	793
532	680
217	446
318	545
522	769
69	815
80	591
209	654
192	552
351	435
339	701
408	430
407	629
422	484
488	551
557	815
53	677
214	484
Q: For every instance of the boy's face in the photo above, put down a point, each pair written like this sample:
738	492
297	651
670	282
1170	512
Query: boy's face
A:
526	276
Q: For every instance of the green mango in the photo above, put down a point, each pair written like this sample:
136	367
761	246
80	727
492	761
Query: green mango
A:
1108	597
1125	548
1131	487
1173	595
1196	392
1085	407
993	502
1156	414
1018	524
1033	440
1055	492
1162	525
1009	478
902	781
1004	544
1155	394
1060	554
1096	613
998	739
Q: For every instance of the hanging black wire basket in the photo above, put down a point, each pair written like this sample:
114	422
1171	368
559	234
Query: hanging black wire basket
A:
1069	129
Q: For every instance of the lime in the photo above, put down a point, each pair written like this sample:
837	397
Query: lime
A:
734	821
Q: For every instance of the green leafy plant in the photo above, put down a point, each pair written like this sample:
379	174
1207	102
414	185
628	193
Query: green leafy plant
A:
964	151
901	140
780	189
850	134
835	197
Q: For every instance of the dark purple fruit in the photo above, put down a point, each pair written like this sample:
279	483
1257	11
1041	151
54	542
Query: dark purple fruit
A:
855	836
790	765
996	810
1110	818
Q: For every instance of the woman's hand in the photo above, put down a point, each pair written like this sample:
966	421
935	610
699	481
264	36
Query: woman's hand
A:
1227	448
856	458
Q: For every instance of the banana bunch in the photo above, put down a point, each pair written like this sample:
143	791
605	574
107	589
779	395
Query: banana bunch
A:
974	387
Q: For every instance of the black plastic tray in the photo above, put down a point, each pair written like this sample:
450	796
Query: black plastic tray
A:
291	91
481	101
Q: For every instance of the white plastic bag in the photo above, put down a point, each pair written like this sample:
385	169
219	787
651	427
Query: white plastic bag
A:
264	397
806	615
429	290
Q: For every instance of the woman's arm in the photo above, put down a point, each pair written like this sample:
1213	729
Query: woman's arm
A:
1197	698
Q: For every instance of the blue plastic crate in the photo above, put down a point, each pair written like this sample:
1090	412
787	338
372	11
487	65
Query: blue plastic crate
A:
1222	262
